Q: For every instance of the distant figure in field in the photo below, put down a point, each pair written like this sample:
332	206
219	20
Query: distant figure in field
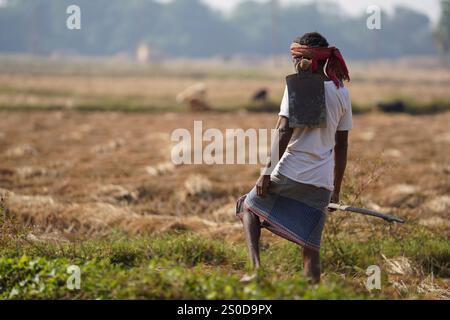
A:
396	106
260	95
291	197
194	97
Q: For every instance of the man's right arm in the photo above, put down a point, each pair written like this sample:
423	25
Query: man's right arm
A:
284	134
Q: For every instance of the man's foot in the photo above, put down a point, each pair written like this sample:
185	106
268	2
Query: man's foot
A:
248	278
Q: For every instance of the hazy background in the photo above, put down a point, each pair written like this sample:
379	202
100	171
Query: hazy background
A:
194	28
353	7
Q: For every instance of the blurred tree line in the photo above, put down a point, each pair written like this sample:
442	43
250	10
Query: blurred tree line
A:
190	28
442	32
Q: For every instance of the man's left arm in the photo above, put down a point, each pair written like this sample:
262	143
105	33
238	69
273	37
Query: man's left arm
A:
340	156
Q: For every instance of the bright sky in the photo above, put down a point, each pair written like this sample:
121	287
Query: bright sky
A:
429	7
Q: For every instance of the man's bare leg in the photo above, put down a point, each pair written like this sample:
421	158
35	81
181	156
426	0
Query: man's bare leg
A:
252	230
311	264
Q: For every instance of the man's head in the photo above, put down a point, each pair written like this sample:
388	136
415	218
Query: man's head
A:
312	52
311	40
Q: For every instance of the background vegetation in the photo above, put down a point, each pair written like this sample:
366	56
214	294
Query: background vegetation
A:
189	28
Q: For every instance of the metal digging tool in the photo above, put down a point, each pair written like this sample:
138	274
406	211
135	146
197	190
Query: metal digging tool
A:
366	212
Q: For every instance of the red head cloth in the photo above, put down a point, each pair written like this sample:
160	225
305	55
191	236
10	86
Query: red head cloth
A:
336	68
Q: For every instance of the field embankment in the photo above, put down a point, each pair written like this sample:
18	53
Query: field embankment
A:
420	85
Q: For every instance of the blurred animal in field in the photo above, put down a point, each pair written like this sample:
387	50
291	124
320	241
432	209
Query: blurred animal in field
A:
261	95
194	97
395	106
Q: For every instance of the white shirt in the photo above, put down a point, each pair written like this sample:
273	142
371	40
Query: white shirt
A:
309	157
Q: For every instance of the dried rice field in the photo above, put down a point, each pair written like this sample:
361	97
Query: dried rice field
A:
99	189
75	172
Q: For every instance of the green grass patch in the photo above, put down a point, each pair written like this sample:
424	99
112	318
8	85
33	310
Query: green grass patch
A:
191	266
167	104
40	278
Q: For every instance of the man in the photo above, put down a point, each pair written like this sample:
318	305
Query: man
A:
292	202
